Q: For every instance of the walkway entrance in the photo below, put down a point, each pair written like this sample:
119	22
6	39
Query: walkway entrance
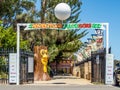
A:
64	80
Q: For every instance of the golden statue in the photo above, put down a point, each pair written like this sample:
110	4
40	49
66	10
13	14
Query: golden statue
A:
44	59
41	61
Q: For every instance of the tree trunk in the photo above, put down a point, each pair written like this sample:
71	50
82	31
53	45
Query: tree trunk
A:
39	74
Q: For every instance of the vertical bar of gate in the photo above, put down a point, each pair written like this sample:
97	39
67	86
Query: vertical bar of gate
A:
18	53
107	38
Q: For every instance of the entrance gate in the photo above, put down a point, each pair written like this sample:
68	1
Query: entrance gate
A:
63	26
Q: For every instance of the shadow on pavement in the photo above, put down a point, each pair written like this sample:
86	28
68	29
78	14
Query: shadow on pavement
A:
59	83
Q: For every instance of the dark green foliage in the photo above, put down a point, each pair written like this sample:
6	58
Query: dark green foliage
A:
9	9
8	38
3	65
60	43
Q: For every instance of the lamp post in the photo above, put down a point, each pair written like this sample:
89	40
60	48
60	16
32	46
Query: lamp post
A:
62	11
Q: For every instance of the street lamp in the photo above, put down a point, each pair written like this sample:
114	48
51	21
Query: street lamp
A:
62	11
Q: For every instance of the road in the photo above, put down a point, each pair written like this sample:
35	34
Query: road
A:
58	87
60	83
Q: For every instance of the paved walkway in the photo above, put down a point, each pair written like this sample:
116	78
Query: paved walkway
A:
64	80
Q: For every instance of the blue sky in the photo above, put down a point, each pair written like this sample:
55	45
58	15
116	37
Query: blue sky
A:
103	11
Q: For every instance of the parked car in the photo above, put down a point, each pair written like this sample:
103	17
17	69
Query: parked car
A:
117	76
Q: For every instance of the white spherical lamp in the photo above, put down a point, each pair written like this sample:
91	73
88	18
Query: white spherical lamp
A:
62	11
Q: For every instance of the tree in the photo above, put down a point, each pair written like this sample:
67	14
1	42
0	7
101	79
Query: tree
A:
60	43
9	9
11	13
8	38
3	64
